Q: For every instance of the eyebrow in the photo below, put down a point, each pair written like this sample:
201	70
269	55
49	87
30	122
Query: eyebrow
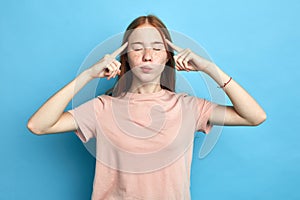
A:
155	42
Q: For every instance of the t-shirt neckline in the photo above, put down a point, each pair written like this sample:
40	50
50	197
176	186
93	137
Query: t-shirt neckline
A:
134	95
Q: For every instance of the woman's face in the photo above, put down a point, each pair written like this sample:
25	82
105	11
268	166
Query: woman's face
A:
146	53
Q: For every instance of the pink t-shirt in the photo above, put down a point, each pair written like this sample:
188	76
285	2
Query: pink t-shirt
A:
144	143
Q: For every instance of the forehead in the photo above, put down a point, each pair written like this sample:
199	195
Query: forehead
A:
145	34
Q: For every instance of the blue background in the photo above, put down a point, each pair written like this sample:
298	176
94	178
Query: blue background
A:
43	43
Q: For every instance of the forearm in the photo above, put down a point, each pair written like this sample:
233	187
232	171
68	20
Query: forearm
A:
245	110
243	103
49	113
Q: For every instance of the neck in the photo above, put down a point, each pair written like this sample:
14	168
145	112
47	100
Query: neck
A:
145	88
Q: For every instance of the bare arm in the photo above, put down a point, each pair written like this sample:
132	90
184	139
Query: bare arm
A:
51	118
245	110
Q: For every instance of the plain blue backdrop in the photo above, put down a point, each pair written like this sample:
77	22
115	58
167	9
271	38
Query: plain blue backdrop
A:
43	43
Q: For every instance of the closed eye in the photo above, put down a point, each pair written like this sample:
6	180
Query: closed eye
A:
137	47
158	47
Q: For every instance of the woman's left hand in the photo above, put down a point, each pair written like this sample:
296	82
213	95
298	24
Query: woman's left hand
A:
187	60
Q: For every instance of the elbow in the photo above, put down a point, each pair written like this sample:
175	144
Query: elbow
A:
259	119
33	129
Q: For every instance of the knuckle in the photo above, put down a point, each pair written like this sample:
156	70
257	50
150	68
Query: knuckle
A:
108	57
109	67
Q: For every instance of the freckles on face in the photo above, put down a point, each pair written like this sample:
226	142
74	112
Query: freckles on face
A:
145	44
137	58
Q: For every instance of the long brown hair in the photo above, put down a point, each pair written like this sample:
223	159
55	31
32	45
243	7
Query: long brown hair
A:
167	80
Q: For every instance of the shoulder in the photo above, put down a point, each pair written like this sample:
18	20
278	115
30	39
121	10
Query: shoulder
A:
189	100
176	94
183	96
103	99
107	99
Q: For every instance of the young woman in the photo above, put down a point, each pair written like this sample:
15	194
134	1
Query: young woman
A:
144	130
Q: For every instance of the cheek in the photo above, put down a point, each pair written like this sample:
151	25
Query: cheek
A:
134	58
160	57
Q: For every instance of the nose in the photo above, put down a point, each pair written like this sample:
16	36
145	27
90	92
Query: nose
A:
147	55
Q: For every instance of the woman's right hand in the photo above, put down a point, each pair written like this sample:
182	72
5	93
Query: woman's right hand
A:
51	117
108	66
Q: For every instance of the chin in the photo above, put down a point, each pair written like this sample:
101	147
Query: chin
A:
147	78
148	73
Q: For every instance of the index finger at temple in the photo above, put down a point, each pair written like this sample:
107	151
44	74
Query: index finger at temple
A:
119	50
173	46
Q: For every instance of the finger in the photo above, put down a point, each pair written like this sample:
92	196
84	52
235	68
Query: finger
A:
119	50
173	46
116	69
113	71
179	68
109	68
110	75
113	74
182	55
188	65
119	72
118	65
185	59
178	62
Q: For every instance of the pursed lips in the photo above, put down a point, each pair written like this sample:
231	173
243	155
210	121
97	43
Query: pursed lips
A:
146	69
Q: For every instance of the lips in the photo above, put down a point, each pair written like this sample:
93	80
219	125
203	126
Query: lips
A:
146	69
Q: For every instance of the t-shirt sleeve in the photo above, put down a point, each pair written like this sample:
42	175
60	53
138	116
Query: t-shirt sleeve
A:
204	110
85	118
